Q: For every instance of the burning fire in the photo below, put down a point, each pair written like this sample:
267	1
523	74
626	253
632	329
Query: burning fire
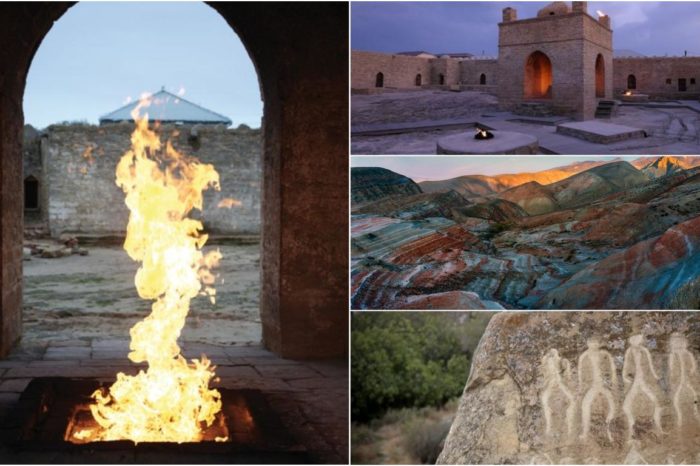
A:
171	401
628	93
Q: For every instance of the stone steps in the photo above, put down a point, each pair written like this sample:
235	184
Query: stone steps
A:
605	109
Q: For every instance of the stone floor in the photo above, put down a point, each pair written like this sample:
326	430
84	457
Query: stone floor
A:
312	395
673	127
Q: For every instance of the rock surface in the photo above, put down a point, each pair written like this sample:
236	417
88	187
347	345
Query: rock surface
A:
608	237
581	388
371	183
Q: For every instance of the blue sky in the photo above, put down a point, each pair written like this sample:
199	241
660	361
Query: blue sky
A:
420	168
650	28
99	54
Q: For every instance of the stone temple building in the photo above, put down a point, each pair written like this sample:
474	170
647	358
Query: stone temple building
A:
69	169
560	61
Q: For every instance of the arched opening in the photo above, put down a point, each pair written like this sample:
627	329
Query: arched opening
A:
379	80
304	252
538	76
482	79
441	79
599	76
419	80
631	82
31	193
303	314
81	196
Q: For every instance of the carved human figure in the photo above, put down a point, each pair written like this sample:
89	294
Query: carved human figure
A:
553	366
681	367
633	372
597	360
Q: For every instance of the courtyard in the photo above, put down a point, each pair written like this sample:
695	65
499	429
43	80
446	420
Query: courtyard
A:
78	298
411	121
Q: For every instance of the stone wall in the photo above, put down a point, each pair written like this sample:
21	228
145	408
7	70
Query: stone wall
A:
399	70
652	75
83	198
471	71
571	42
31	167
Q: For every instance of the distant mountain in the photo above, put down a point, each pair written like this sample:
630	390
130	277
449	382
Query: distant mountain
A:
587	186
534	198
369	184
480	185
669	165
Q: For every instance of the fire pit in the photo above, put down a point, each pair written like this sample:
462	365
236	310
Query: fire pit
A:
482	134
51	410
629	96
488	142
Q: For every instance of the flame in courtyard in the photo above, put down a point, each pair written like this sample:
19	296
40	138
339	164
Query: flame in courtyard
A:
171	401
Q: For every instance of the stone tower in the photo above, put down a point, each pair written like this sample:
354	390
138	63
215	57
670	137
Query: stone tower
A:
562	59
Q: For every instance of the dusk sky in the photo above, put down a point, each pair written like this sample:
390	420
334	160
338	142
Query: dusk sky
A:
649	28
421	168
99	54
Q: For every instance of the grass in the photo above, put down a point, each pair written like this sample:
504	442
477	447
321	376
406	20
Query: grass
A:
403	436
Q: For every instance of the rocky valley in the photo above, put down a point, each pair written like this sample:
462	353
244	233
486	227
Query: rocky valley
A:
601	234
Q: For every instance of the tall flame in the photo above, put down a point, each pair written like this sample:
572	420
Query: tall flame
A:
171	401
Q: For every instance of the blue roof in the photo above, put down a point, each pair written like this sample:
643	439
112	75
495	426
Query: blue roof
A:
168	108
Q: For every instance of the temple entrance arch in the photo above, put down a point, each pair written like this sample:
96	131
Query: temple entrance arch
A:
538	76
599	76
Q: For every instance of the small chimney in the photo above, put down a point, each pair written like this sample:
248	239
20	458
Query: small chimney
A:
579	7
510	14
605	21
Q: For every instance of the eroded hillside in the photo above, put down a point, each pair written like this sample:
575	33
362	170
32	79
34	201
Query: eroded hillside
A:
612	235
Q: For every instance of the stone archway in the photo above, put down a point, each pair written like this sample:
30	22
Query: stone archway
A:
631	82
379	80
299	51
482	79
599	76
538	76
419	79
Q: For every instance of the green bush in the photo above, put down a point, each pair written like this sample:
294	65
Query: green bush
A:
404	360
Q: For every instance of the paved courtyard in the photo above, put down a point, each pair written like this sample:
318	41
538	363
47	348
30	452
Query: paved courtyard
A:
410	122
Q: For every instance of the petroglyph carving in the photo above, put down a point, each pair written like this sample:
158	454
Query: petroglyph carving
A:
681	367
633	455
596	358
553	367
633	373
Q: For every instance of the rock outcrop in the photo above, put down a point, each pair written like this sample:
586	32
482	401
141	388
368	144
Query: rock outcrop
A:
664	166
581	388
369	184
648	275
418	206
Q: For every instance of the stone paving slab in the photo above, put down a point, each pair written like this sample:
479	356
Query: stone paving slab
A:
382	129
600	132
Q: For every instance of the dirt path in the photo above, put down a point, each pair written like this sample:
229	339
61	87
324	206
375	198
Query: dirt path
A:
94	296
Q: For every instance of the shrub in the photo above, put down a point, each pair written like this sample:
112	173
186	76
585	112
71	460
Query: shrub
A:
404	360
424	439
